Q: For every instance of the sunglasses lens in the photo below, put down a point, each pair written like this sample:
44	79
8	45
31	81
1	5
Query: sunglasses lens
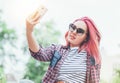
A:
79	30
72	27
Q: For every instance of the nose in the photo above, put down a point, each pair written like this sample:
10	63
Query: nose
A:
75	31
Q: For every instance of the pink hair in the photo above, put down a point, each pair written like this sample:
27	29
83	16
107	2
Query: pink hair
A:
93	40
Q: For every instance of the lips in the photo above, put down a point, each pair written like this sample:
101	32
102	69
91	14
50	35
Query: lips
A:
72	37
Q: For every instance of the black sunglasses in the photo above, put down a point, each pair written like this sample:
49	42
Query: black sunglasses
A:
72	27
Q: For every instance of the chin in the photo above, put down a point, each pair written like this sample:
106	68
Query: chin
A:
71	41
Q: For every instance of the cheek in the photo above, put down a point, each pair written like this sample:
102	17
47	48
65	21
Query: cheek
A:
79	40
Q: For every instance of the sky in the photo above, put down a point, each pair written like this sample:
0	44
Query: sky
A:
105	13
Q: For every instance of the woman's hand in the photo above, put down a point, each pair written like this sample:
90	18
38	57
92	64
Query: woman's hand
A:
34	18
31	21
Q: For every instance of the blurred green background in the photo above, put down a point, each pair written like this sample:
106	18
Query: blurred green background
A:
15	60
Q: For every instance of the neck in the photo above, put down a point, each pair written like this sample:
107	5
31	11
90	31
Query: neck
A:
74	45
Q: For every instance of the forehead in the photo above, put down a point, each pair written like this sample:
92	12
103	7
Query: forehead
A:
80	24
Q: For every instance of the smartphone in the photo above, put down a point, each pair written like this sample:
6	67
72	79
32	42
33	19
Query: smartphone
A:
42	10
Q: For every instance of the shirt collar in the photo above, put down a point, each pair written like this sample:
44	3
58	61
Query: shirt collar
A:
74	48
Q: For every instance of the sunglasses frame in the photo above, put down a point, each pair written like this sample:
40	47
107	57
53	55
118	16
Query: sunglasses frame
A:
79	31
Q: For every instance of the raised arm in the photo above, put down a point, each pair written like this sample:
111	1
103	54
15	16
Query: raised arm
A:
31	21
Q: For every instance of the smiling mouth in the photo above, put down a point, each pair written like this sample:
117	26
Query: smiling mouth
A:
72	37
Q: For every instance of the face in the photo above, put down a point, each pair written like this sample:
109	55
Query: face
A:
77	33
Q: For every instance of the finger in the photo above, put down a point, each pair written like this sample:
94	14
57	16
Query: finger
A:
34	23
34	14
37	17
40	13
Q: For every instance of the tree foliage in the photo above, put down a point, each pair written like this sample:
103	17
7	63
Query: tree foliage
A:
116	78
45	34
7	37
2	75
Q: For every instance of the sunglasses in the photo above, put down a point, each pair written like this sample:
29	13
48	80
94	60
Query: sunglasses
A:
79	31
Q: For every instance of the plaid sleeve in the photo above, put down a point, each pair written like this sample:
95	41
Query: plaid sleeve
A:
44	54
95	73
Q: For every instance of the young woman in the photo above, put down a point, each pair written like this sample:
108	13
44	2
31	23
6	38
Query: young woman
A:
78	61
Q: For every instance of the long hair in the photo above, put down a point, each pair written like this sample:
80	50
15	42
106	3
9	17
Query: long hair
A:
93	39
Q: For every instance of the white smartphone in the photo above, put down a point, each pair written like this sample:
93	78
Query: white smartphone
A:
42	10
